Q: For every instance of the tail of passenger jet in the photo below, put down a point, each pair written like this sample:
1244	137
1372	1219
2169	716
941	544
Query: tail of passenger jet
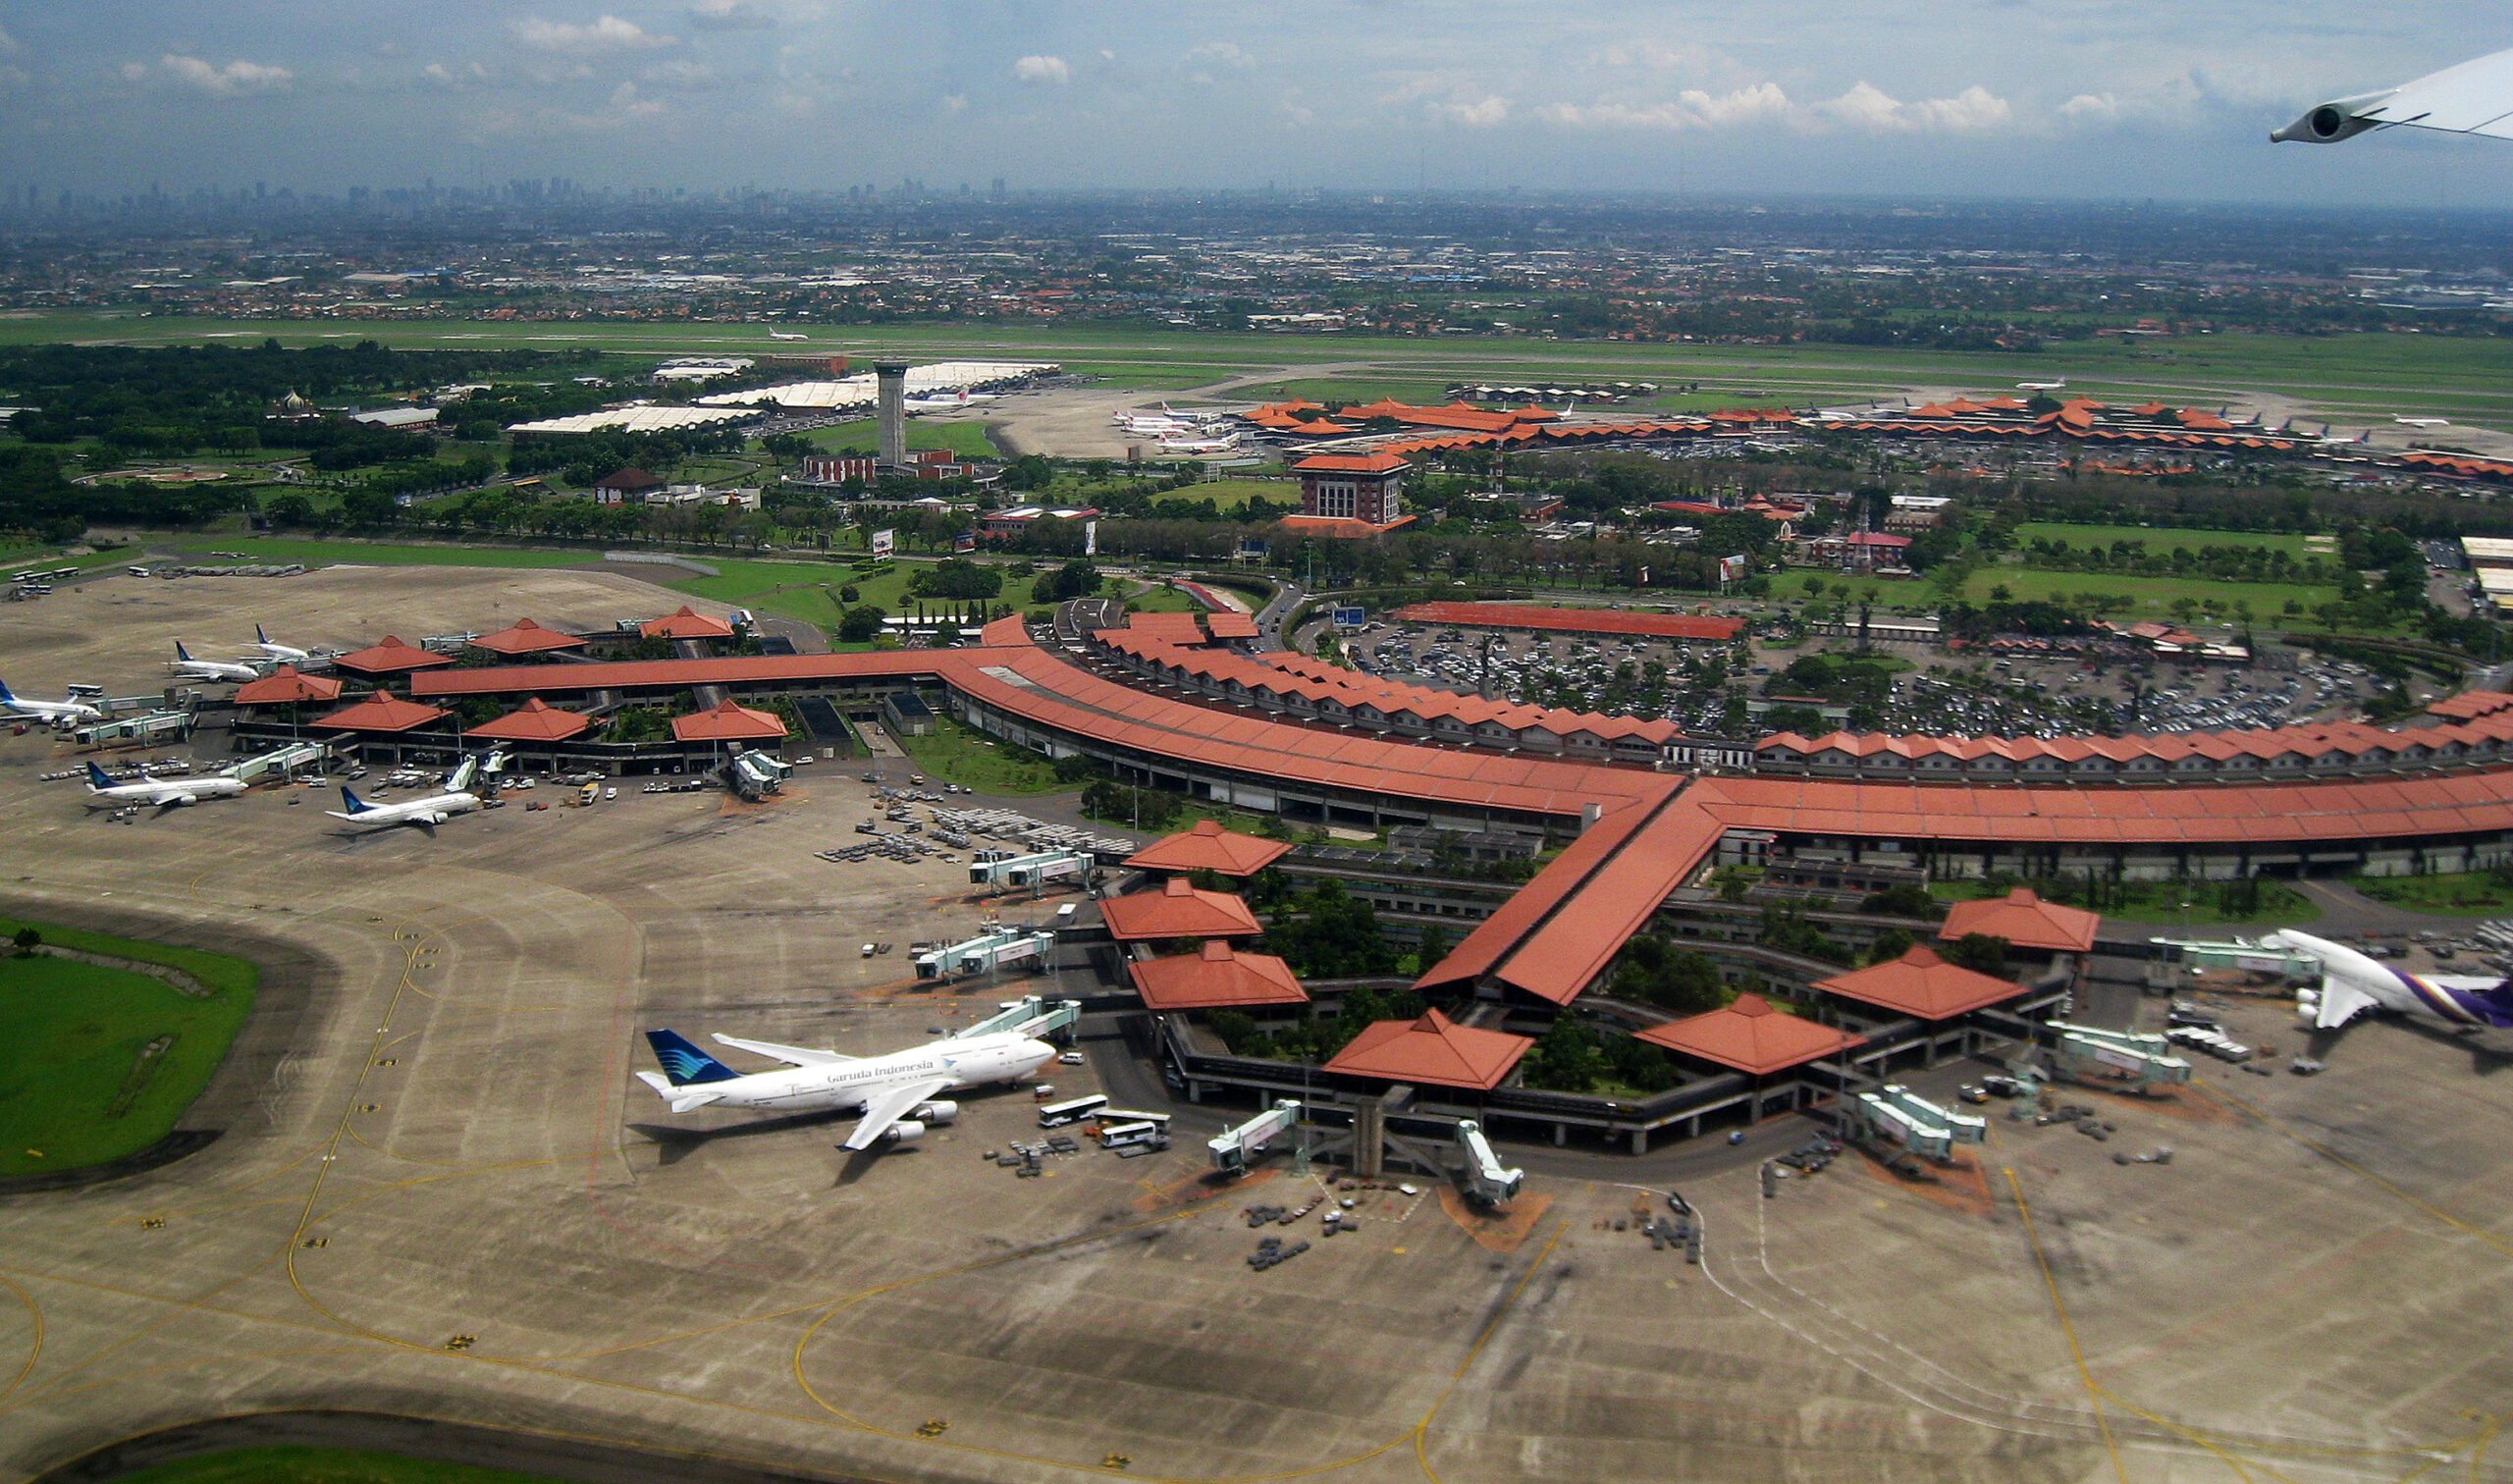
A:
259	637
684	1064
353	803
181	654
5	696
98	782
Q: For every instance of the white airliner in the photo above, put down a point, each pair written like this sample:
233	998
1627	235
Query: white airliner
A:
788	335
186	667
1228	444
2474	98
285	652
427	812
951	403
2061	385
2352	984
165	793
897	1091
68	712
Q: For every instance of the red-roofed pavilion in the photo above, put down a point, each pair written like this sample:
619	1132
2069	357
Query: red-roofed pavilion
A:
535	720
391	658
1209	847
1434	1051
527	638
1749	1036
1219	978
1922	986
2025	921
728	722
383	713
285	686
1177	909
687	623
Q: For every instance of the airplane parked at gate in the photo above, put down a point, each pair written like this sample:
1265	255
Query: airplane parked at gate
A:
427	812
895	1093
164	793
2352	984
285	652
185	667
64	713
945	403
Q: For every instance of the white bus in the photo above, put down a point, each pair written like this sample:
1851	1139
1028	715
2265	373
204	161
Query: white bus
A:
1158	1121
1058	1115
1120	1135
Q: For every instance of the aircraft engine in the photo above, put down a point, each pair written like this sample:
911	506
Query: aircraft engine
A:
435	817
905	1131
2333	121
2308	1004
178	801
940	1114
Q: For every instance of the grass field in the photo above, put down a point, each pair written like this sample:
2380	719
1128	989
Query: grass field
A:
2163	539
2473	893
966	438
370	552
74	1088
2373	375
295	1464
802	590
2150	596
963	754
1158	599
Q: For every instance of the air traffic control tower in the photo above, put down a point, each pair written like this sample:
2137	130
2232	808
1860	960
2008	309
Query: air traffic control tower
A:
890	380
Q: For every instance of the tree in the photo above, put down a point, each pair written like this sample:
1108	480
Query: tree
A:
1980	952
862	623
27	940
290	511
1908	900
1890	944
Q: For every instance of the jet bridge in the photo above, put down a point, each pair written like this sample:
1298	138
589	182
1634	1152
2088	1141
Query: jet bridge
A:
1484	1180
2129	1061
283	761
1031	1014
2197	955
1235	1149
1897	1115
1031	869
1001	949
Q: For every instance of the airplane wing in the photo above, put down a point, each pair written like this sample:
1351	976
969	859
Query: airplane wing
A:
2474	98
2472	983
888	1107
2341	1002
792	1056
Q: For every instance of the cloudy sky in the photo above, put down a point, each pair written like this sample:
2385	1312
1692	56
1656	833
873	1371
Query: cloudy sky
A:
2102	99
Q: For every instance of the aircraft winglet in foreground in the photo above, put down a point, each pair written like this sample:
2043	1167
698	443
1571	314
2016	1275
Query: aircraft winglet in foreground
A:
896	1093
2352	984
2473	98
165	793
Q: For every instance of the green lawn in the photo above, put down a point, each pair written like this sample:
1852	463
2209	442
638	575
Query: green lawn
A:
2148	597
2163	539
966	438
2473	893
1163	600
313	552
74	1088
279	1463
960	754
806	590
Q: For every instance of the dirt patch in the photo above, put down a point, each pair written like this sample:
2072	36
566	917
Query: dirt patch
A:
1495	1230
1963	1186
2188	1103
1196	1187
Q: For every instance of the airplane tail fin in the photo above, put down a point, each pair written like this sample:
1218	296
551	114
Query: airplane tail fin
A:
353	803
181	654
258	636
96	778
684	1063
5	697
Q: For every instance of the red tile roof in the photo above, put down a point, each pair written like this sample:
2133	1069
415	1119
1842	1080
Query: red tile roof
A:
527	638
535	720
1209	847
1218	977
1340	527
1433	1050
2468	705
1573	620
1922	984
1318	427
1176	909
1378	463
685	623
1750	1036
284	686
382	712
1230	625
391	658
1174	628
2025	921
728	722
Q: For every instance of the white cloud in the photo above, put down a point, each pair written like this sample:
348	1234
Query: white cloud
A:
1483	113
1690	109
730	15
625	98
2099	107
1222	54
236	77
1043	70
133	71
1869	107
609	33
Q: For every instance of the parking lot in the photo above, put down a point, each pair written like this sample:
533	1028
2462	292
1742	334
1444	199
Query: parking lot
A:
440	1192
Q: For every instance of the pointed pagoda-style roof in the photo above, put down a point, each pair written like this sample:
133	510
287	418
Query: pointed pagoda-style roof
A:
1209	847
1434	1050
527	638
1922	984
1219	978
382	712
1749	1036
1177	909
2024	920
687	623
391	658
535	720
285	686
728	722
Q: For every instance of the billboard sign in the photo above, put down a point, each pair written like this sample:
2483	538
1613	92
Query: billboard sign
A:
1091	538
1735	568
885	543
1351	618
966	541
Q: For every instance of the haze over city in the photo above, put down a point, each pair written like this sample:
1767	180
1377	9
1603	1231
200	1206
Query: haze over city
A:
2057	98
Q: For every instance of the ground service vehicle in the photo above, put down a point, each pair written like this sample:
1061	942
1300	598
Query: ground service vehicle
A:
1056	1115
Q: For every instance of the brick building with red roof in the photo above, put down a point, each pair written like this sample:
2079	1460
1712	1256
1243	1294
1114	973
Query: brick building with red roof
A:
1363	487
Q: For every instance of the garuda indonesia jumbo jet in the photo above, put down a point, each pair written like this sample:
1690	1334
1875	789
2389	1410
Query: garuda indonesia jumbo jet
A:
897	1091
